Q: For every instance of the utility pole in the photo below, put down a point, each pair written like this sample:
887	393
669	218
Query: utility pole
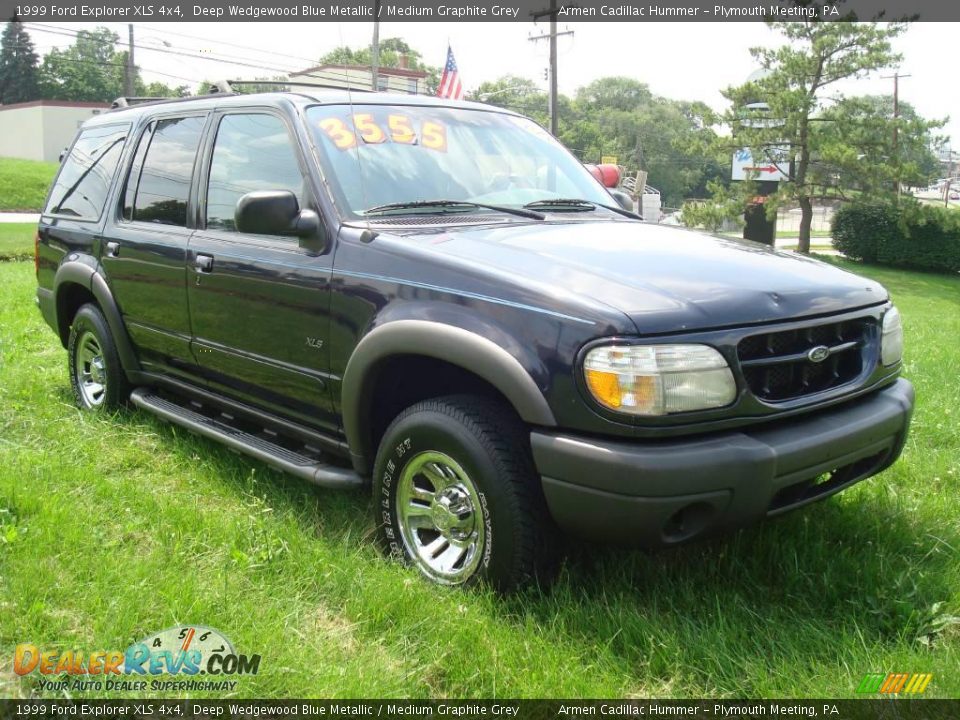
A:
375	48
552	36
131	73
896	114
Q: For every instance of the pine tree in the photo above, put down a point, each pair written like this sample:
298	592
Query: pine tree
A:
19	68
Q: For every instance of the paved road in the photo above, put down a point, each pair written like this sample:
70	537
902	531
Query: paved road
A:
19	217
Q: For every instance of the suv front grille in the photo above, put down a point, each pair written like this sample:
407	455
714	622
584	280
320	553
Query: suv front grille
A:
777	365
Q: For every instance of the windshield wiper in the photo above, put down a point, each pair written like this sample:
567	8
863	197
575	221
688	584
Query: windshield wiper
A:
463	205
577	205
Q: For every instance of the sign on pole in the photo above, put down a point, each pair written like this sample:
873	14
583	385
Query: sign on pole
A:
774	167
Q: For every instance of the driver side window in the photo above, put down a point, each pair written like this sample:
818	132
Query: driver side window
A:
251	152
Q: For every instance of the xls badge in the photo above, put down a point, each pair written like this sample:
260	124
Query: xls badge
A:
185	650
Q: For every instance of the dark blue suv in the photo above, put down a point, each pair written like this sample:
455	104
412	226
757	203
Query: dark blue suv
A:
436	301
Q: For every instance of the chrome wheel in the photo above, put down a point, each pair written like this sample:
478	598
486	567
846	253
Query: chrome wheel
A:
90	371
440	517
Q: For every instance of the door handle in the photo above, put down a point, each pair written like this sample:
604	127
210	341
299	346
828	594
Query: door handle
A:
113	249
203	263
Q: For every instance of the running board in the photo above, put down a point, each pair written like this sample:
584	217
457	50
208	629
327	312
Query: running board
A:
311	469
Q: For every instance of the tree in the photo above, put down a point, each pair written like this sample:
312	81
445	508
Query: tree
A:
159	89
857	148
666	138
620	116
514	93
796	76
90	69
19	70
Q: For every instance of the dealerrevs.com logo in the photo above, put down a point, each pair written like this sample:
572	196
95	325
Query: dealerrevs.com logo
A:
185	651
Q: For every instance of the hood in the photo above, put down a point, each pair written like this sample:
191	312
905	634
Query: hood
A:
665	279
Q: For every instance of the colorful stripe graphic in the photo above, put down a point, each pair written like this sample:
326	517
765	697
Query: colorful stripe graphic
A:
895	683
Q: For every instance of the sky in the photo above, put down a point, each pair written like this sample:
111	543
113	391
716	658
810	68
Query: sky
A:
684	61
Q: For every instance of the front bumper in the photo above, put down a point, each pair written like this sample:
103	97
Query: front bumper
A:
662	493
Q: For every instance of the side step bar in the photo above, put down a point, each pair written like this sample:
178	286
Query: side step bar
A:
289	461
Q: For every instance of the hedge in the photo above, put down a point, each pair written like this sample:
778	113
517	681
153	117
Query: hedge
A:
907	235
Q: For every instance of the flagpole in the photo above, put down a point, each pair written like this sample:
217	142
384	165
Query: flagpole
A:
375	48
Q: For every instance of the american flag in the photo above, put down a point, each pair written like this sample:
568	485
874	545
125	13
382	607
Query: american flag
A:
450	86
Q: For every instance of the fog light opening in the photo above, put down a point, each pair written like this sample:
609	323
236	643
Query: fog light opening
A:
688	522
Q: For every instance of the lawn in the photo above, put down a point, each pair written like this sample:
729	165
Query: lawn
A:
16	240
112	528
24	184
796	233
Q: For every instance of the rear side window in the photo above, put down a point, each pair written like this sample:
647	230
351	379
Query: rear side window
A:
82	186
251	152
136	167
163	186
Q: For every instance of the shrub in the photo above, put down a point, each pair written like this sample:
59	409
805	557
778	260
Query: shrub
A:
906	235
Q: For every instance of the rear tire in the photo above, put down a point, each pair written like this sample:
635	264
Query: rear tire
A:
458	496
96	375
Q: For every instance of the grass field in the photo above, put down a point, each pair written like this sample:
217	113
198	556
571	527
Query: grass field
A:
112	528
24	184
16	240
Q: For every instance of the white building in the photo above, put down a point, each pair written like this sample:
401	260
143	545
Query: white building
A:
397	80
42	129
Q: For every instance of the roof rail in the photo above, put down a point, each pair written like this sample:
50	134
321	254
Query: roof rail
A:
218	88
294	83
122	102
221	86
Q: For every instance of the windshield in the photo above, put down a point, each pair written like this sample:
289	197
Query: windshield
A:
376	155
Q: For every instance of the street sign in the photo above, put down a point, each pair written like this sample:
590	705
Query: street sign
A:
608	160
774	167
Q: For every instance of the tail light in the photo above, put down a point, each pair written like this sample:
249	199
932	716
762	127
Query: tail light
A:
36	254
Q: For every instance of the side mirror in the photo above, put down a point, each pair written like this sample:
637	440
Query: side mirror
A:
623	200
277	212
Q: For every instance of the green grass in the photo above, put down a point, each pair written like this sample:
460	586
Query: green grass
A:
796	233
24	184
16	240
112	528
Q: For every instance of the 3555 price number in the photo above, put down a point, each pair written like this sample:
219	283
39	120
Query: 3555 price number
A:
395	128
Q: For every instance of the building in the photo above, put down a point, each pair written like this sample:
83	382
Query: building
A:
949	163
397	80
42	129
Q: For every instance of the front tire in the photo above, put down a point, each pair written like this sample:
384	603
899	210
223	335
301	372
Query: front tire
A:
458	496
96	374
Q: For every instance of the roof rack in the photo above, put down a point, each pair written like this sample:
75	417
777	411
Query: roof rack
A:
122	102
294	83
224	87
220	86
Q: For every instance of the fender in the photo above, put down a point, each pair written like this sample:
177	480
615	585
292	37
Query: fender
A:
82	270
471	351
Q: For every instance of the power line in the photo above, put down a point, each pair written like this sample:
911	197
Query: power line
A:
104	63
226	44
317	75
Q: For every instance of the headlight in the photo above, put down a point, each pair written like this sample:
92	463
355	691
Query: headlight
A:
891	344
658	379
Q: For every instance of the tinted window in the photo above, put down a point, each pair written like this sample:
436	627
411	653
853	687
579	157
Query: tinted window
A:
379	154
133	177
165	178
84	181
251	152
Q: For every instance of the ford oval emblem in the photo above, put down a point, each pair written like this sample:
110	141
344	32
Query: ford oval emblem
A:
818	354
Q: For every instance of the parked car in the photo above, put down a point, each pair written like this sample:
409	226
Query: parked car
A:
435	302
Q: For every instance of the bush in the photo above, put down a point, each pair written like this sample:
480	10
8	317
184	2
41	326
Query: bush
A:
906	235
